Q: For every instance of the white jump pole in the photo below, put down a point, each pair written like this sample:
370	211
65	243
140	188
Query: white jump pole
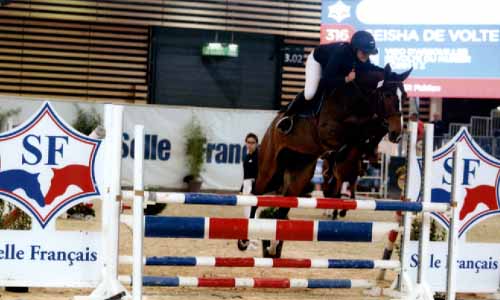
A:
405	234
138	225
453	232
108	126
423	248
110	286
115	193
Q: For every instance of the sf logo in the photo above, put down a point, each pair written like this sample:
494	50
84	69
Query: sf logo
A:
35	144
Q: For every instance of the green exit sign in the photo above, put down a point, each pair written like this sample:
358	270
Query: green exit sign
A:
220	49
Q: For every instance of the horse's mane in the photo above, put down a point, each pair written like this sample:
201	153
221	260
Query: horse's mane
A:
368	80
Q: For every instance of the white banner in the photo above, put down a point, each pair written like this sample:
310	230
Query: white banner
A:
477	266
63	259
165	165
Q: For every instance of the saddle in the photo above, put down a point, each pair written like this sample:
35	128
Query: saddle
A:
311	108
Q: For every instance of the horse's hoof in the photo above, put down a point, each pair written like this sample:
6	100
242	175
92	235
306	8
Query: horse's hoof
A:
243	244
335	215
267	252
154	209
285	125
279	249
16	289
343	213
265	247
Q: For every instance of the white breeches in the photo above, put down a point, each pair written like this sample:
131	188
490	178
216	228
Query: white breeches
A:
313	75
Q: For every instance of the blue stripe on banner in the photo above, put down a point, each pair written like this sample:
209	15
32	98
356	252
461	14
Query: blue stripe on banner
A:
344	231
398	206
210	199
174	227
160	281
350	264
171	261
329	283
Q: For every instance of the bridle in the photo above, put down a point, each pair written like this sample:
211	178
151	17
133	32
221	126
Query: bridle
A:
381	96
377	97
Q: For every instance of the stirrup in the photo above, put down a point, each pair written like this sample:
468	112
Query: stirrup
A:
285	125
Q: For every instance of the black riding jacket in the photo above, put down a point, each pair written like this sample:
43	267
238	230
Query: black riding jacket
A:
337	60
250	165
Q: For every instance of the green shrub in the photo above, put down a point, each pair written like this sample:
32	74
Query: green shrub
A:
86	120
195	147
437	233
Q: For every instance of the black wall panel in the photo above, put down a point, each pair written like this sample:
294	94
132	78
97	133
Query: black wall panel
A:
181	76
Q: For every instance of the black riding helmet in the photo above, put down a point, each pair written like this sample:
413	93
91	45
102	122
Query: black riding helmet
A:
364	41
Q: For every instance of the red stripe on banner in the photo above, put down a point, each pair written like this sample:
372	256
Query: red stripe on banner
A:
271	283
291	263
295	230
222	228
336	203
216	282
234	262
266	201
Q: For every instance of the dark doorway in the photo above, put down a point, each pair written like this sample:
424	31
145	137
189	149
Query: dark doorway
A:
181	76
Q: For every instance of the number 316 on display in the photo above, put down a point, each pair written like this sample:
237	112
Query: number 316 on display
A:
337	35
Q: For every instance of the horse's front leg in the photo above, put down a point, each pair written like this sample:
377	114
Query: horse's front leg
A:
295	182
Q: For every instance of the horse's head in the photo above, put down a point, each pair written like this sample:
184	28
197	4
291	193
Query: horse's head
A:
390	94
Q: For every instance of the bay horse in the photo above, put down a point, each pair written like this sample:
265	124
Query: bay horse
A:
287	162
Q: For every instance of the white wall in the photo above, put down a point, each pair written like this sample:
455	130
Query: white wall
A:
165	166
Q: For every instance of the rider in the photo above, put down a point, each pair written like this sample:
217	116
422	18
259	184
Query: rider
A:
331	66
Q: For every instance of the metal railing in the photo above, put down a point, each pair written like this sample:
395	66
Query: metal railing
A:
376	182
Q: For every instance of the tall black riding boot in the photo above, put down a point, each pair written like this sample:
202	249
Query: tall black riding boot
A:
285	124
